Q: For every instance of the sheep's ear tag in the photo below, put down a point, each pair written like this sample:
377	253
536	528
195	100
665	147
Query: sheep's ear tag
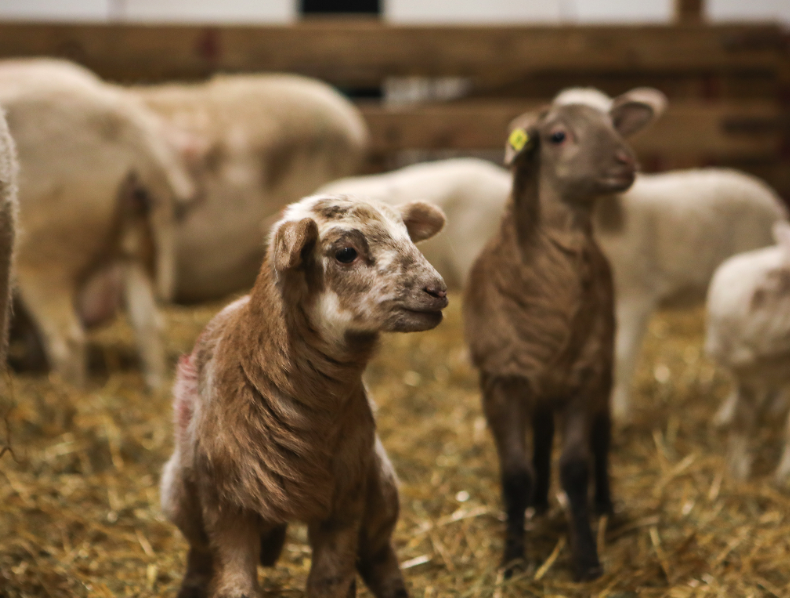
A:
518	139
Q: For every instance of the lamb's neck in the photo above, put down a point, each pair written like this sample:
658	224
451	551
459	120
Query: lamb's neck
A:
539	212
292	354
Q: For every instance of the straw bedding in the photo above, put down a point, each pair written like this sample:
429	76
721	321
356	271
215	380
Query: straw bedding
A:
79	509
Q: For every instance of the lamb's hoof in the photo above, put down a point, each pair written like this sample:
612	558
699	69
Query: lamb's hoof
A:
588	571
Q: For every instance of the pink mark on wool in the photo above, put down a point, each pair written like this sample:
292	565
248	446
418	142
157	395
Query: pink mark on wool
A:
185	391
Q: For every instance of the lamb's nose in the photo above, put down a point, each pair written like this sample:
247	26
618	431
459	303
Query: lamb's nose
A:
625	158
436	290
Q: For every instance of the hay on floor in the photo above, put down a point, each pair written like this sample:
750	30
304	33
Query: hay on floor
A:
79	511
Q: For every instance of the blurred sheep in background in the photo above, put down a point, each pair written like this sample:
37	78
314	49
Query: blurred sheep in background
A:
98	192
748	332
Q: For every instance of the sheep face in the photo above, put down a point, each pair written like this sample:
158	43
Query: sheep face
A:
357	265
581	154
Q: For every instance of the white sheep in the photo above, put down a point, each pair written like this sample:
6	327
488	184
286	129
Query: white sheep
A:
98	192
748	332
254	143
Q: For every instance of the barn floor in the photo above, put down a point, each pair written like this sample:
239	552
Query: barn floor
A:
79	509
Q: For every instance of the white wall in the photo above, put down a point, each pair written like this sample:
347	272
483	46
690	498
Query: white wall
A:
398	11
619	11
207	11
163	11
55	10
477	11
748	10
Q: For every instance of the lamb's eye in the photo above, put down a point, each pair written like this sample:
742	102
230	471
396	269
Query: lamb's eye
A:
346	255
558	137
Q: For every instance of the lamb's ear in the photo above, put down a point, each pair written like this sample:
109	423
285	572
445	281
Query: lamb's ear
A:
422	220
522	136
292	241
782	236
635	109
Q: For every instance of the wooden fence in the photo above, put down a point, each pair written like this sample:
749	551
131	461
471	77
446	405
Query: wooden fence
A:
729	85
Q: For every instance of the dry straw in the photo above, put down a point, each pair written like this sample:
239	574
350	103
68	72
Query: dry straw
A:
79	511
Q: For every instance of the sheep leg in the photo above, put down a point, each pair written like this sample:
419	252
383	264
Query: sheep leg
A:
335	543
50	304
376	560
272	542
633	315
600	441
235	541
726	410
506	412
574	475
146	322
181	505
739	456
543	438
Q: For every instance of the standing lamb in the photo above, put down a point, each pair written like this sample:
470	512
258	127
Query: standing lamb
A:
471	192
273	423
539	313
98	191
8	210
254	144
748	332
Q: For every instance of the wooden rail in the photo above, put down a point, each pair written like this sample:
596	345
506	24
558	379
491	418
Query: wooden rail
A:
715	131
366	52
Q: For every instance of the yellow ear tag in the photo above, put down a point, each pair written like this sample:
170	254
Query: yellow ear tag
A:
518	139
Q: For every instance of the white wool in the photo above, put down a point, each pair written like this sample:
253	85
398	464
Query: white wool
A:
748	333
589	96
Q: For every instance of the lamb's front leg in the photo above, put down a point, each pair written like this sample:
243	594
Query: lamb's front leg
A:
334	543
235	542
377	561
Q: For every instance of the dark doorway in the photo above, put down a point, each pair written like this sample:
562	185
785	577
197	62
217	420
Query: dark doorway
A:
371	7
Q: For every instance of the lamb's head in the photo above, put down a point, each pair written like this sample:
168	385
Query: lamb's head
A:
353	265
579	150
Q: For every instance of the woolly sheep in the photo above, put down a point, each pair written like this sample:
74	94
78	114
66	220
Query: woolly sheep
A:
254	143
748	333
97	190
273	424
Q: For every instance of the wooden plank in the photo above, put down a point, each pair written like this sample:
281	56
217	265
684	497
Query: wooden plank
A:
364	52
696	130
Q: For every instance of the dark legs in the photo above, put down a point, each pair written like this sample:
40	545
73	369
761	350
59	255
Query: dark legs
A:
272	542
505	407
543	437
574	475
600	441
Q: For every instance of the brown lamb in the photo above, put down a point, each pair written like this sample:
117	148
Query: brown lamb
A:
539	314
272	420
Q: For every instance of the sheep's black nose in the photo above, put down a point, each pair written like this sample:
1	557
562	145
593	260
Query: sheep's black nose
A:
435	290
